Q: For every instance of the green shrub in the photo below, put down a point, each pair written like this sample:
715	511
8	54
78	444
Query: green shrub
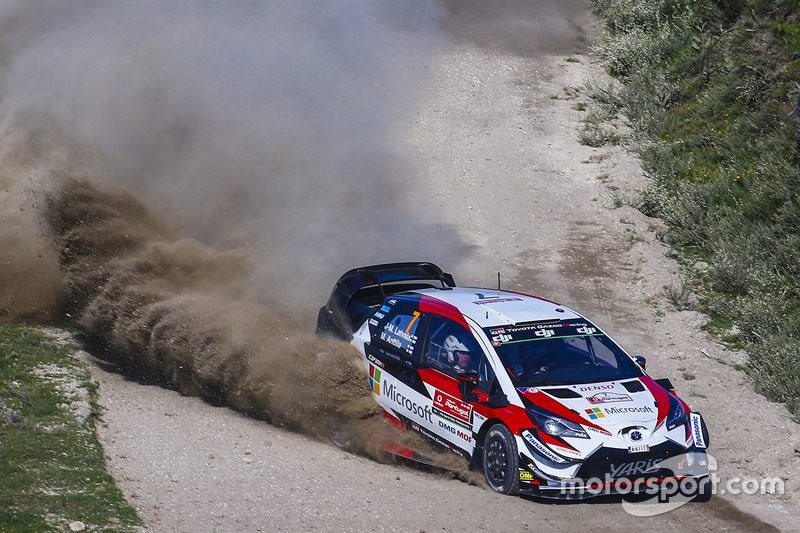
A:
709	92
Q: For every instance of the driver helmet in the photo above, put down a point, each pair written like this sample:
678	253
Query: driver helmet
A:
453	345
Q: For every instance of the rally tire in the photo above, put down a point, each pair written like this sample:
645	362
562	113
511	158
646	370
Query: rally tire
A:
501	460
341	437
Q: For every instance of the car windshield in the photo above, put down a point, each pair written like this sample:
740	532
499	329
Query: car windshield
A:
560	353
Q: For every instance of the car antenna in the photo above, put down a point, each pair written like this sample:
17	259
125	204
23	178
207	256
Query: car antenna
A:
498	280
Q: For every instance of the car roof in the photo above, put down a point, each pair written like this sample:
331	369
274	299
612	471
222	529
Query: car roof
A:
490	307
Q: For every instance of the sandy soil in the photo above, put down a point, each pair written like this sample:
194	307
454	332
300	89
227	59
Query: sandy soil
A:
496	141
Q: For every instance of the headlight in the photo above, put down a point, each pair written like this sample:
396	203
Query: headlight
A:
677	414
555	425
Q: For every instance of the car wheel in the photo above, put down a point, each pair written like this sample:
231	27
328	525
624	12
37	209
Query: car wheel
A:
341	437
501	460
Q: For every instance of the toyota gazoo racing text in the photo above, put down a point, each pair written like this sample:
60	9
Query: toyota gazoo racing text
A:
531	392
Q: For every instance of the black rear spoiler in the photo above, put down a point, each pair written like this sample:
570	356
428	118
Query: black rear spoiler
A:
361	288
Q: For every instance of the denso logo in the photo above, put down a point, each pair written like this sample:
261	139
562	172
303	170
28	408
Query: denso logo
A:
587	388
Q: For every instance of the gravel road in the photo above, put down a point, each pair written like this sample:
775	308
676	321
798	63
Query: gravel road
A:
495	138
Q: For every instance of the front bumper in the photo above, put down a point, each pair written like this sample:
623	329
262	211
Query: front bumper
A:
616	472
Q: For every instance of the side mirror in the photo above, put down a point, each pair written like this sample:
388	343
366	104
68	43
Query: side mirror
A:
467	390
641	361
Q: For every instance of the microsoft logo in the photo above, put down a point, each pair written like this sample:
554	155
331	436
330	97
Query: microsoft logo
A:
375	379
595	413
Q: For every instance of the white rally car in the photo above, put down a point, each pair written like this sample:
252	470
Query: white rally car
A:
528	390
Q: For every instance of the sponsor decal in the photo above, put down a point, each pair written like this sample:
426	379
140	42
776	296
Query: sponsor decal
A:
586	330
697	430
497	331
544	333
608	397
566	451
391	392
639	449
635	468
399	337
375	379
532	390
539	447
375	361
438	440
501	338
485	301
378	314
452	409
588	388
624	410
524	475
391	302
595	413
461	434
598	430
373	322
386	308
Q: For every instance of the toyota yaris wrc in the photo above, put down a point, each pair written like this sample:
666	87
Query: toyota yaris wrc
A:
528	390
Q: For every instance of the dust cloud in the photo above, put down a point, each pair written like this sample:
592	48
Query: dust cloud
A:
184	182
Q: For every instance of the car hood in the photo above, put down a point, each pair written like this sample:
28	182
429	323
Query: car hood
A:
620	414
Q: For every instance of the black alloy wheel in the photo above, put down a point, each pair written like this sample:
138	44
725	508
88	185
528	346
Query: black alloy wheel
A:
501	460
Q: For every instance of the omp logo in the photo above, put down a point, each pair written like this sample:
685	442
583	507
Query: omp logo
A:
375	379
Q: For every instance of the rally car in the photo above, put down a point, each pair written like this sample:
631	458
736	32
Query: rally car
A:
528	390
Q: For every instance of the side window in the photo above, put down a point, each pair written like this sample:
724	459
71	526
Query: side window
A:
451	348
399	331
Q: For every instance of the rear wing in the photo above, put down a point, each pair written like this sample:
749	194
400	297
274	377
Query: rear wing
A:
361	289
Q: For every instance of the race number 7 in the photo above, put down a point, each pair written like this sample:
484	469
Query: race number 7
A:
416	316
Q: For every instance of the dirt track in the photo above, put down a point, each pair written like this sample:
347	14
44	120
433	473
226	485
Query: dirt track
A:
495	137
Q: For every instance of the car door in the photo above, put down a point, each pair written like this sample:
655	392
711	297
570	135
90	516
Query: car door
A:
450	384
393	356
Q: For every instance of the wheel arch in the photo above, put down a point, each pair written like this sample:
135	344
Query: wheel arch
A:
477	453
